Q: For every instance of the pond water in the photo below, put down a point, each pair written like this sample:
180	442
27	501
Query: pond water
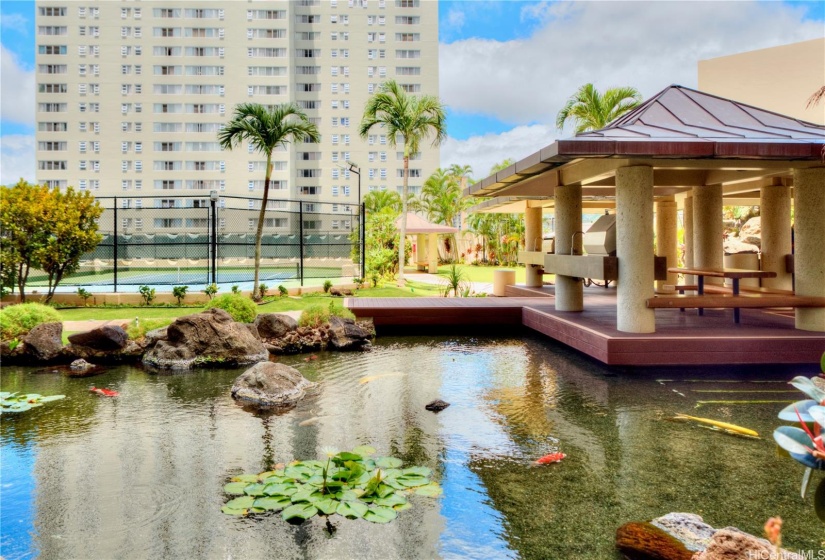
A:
141	475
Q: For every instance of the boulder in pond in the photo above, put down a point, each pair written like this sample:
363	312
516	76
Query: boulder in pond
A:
643	541
689	528
346	334
339	292
437	405
270	384
274	325
45	341
106	338
732	544
207	338
81	367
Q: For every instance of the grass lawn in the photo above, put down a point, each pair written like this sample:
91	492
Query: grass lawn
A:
477	273
414	289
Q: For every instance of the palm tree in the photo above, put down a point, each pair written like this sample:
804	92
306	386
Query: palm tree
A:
591	110
379	201
266	129
503	165
442	199
412	119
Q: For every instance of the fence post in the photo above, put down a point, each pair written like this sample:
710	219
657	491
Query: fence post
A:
301	239
114	246
363	240
214	241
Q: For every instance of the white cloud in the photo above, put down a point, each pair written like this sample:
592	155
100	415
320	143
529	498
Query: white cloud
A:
16	90
14	22
482	152
16	158
648	45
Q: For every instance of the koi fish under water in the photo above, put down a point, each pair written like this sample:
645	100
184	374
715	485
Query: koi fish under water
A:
310	358
552	458
104	392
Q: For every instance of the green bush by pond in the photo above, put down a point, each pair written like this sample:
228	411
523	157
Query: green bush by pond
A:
18	320
317	315
242	309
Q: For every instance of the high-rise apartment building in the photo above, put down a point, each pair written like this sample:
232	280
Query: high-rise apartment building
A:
131	95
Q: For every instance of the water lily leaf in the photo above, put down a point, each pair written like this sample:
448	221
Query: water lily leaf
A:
346	496
317	480
792	439
283	489
788	414
52	398
33	396
18	407
264	475
5	394
402	507
380	514
233	511
327	506
299	473
235	488
432	490
240	503
420	471
312	464
248	478
807	386
391	500
299	511
271	503
352	510
364	450
345	456
394	484
304	494
413	480
383	491
273	479
388	462
255	490
342	474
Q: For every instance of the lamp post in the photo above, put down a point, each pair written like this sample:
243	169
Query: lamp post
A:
361	226
213	200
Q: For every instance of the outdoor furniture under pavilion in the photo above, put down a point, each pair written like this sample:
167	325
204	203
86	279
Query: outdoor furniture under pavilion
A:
424	230
681	148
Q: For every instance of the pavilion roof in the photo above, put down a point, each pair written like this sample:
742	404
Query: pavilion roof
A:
417	224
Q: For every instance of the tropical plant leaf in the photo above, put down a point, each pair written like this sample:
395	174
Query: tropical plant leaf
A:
327	506
364	450
431	490
236	488
818	414
352	510
380	514
388	462
299	511
792	439
248	478
788	414
272	503
808	460
807	386
244	502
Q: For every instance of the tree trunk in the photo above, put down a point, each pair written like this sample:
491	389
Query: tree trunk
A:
256	294
403	229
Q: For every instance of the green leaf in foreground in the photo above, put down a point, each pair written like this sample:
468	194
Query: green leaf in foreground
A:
388	462
235	488
380	514
240	503
248	478
352	510
431	490
272	504
299	511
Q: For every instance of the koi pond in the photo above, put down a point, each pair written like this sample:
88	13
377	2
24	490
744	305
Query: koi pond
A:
143	474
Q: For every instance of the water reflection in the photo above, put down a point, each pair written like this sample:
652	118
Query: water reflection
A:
142	475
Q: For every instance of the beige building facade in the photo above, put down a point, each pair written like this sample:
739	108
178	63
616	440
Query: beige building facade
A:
780	79
131	96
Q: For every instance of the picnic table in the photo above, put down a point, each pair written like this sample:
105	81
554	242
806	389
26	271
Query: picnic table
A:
734	274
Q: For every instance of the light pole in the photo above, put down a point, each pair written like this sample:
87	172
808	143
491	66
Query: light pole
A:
362	218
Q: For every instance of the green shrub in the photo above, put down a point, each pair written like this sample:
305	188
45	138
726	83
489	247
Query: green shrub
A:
263	289
282	291
148	294
359	283
18	320
236	290
211	290
84	294
138	328
179	292
314	316
243	310
327	286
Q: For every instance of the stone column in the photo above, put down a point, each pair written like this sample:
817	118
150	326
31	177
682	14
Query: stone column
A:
666	238
688	218
532	242
775	212
809	244
634	248
569	290
432	253
708	232
420	248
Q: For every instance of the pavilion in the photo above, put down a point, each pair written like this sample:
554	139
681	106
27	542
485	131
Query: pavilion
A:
426	250
681	149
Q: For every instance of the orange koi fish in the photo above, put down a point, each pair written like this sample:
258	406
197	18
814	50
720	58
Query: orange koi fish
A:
552	458
104	392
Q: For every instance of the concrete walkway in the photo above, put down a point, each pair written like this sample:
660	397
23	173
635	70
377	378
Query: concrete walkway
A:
435	279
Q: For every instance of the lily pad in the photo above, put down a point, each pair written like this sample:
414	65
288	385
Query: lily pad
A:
255	490
391	501
364	450
388	462
244	502
327	506
420	471
270	503
380	514
411	481
304	494
51	398
352	510
347	496
235	488
248	478
299	511
431	490
234	511
283	489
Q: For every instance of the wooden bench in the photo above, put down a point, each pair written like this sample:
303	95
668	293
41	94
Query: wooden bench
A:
733	302
727	290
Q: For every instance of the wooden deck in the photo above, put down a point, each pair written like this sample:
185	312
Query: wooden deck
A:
762	337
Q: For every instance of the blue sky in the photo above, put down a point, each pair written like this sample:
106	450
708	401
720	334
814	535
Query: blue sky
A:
506	66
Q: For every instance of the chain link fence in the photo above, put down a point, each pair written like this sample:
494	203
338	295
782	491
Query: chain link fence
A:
196	241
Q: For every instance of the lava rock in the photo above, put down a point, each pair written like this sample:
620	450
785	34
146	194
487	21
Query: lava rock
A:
274	325
151	337
643	541
346	334
751	231
339	292
437	405
45	341
270	384
732	544
689	528
107	337
207	338
81	365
